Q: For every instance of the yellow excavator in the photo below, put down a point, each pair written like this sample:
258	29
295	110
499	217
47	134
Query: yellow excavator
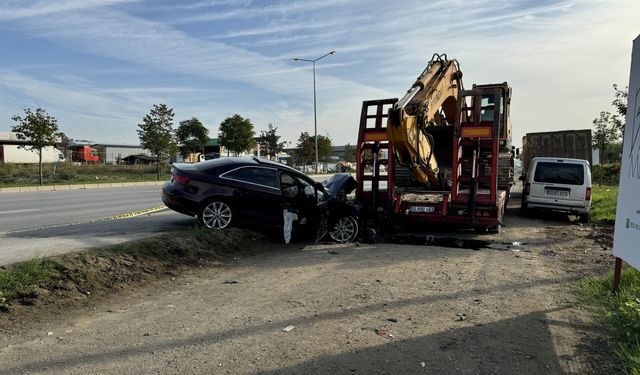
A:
429	106
431	101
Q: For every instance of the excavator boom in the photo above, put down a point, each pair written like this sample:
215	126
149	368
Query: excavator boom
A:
431	101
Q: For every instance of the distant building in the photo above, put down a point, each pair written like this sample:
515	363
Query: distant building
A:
138	159
114	153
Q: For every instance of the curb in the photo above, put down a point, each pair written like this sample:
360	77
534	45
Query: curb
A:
110	185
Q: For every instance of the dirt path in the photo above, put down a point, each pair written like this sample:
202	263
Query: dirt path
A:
368	309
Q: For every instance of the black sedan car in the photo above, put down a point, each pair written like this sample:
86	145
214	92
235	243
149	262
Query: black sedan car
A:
223	192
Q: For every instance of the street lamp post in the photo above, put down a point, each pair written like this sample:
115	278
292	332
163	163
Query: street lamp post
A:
315	116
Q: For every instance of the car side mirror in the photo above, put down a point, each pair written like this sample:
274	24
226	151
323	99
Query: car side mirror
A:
319	186
290	192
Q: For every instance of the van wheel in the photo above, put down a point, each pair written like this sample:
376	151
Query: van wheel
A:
584	218
215	214
524	209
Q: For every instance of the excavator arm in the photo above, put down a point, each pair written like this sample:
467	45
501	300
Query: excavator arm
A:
431	101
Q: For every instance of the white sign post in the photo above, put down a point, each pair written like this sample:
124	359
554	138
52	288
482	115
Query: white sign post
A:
626	240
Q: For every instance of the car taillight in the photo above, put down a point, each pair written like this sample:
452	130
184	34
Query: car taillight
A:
525	191
182	180
587	196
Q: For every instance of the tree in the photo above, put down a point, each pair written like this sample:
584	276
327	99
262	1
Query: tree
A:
305	149
192	136
271	141
620	104
325	149
39	129
606	133
236	134
156	133
349	153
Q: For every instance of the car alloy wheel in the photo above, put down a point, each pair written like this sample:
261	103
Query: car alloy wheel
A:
345	230
216	215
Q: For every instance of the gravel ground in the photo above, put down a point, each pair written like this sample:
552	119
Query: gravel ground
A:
508	308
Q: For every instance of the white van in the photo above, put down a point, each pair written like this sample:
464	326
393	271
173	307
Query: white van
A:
558	184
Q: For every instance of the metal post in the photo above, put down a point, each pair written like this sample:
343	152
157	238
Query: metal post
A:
315	116
617	270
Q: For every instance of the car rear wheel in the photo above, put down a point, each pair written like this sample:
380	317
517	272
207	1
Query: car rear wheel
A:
215	214
345	230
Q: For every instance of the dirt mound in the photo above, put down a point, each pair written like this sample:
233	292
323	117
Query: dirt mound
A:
74	279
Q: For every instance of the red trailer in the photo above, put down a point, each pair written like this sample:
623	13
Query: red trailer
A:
467	152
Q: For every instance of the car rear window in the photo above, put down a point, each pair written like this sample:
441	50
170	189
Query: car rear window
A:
559	173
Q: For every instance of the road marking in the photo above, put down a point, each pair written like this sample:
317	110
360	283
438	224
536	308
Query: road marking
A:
135	213
115	217
17	211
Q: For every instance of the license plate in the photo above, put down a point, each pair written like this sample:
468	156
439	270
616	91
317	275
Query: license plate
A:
556	193
422	209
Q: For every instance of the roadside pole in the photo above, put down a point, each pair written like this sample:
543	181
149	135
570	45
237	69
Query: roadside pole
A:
617	270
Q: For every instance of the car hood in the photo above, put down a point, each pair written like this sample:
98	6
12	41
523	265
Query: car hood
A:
339	183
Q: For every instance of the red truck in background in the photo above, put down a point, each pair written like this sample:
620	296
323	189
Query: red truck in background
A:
84	154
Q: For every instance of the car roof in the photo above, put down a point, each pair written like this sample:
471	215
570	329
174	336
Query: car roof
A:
551	158
239	162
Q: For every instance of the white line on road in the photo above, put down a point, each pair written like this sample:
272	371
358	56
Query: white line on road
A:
16	211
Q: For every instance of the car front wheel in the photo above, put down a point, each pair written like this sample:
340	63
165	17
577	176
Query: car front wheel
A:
215	214
345	230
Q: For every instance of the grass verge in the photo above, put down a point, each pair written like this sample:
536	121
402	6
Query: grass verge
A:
22	280
603	206
13	175
70	279
620	312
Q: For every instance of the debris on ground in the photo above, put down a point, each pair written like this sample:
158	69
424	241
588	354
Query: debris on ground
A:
460	317
382	331
288	328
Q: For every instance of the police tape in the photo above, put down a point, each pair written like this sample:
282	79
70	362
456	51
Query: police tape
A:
135	213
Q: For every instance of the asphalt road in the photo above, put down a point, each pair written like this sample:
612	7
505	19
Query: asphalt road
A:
48	223
42	224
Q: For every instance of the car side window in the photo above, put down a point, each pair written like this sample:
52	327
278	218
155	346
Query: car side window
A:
286	180
305	188
260	176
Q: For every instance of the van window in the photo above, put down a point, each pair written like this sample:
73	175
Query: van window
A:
559	173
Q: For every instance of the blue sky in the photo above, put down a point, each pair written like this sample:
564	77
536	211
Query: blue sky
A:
99	65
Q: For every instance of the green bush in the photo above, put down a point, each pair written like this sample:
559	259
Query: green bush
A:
24	279
621	312
604	202
606	174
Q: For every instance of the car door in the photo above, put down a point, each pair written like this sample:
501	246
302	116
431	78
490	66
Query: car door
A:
310	204
257	197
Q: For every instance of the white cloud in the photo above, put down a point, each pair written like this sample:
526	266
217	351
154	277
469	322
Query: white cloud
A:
560	56
45	7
